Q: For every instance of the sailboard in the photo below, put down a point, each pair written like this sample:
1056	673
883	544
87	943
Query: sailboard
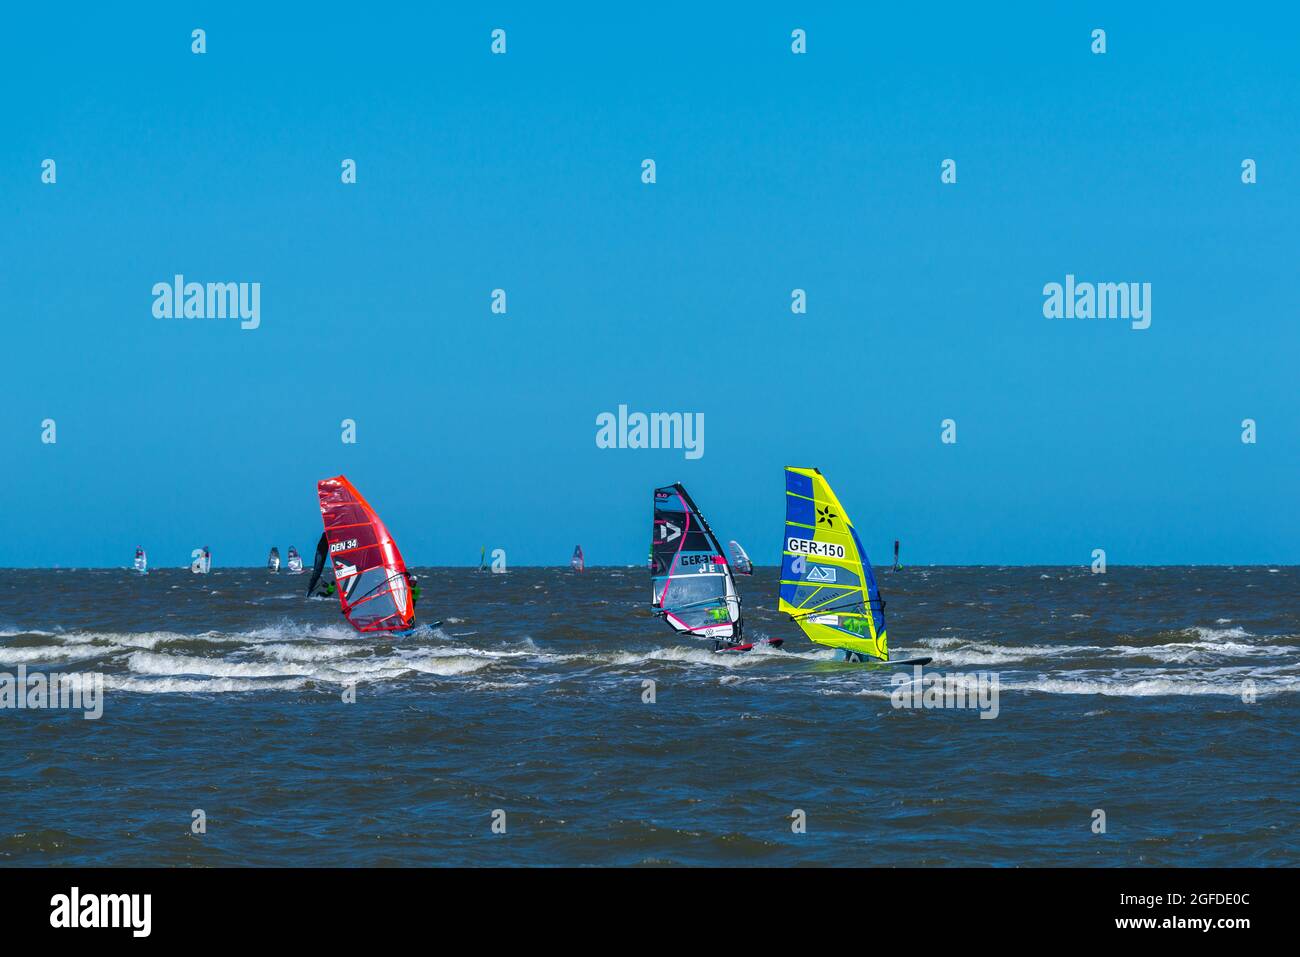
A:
897	567
141	562
294	561
482	558
273	560
373	589
739	560
201	562
827	585
691	583
577	562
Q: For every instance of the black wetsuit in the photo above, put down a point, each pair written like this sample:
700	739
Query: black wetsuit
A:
322	552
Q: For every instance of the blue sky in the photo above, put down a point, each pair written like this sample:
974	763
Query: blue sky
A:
775	172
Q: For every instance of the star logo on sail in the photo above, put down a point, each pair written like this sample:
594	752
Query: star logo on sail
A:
826	517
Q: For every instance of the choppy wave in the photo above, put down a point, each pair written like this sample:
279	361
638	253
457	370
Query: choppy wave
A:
198	685
1059	646
286	656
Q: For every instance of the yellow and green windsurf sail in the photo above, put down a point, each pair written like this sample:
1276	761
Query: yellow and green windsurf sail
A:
827	585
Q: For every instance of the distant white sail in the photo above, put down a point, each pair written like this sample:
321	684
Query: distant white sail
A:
273	560
295	561
739	560
141	563
202	561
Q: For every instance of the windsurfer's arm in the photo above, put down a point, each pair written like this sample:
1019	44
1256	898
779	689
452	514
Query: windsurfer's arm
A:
322	549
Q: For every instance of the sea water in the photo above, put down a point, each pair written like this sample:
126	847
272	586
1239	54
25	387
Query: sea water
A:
551	719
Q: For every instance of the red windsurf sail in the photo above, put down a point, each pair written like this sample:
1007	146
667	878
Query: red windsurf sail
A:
368	568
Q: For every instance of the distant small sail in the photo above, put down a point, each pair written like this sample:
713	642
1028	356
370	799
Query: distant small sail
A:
295	561
739	560
691	583
273	560
482	558
827	585
202	563
141	563
577	562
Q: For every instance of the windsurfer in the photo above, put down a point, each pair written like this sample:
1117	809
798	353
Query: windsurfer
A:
322	552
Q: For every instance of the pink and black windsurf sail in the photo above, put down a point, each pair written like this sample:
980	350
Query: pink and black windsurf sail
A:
368	569
691	583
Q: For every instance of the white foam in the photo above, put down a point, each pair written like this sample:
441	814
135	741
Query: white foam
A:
1116	686
1218	634
149	640
196	685
1206	645
856	693
448	666
706	656
291	630
459	651
37	654
149	663
956	651
303	652
1149	687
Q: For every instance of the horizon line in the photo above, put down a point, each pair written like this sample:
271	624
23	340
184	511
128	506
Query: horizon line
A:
565	566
